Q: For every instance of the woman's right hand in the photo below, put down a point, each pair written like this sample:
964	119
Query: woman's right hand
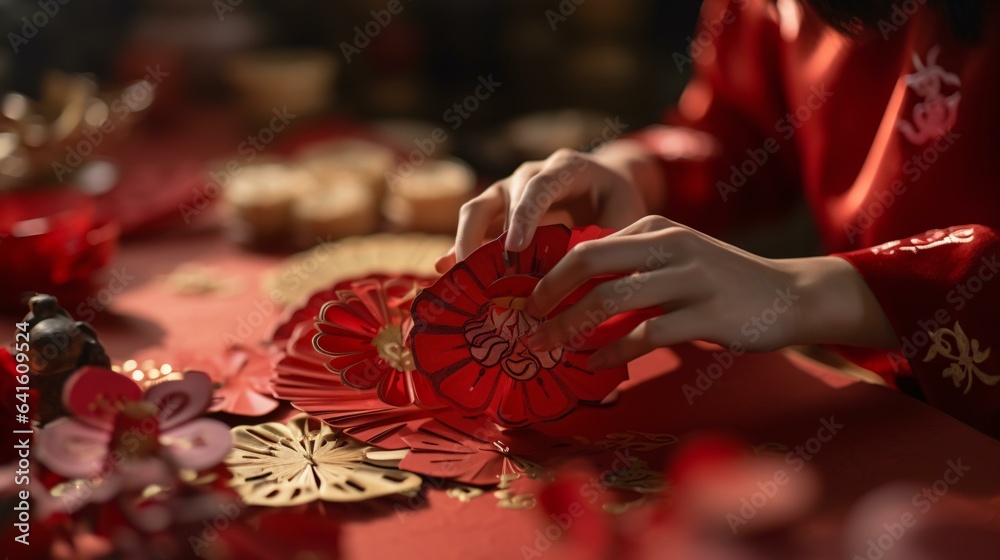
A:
593	188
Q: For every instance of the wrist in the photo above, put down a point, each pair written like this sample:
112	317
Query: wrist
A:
837	307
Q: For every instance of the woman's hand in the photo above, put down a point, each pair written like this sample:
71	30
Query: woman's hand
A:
709	291
607	188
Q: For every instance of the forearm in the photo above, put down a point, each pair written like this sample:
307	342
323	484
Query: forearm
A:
837	306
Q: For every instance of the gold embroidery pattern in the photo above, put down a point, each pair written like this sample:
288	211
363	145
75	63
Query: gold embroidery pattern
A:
464	493
965	354
640	442
930	240
508	498
637	477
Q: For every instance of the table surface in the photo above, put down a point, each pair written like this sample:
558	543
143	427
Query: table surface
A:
776	398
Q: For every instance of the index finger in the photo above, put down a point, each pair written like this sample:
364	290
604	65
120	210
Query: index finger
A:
475	218
589	259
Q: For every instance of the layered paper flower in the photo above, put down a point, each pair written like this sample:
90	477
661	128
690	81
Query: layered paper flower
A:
241	378
305	460
468	329
115	423
475	451
302	375
363	330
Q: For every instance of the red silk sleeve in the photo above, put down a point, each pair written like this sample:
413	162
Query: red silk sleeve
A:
728	150
941	291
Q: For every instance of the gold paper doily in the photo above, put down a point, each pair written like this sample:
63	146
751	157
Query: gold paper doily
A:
276	465
317	268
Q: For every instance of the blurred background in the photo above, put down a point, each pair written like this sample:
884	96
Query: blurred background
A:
287	124
612	56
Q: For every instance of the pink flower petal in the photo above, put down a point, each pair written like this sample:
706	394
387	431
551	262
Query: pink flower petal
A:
181	400
198	445
71	448
92	395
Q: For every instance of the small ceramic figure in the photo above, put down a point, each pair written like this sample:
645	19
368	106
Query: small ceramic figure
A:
59	346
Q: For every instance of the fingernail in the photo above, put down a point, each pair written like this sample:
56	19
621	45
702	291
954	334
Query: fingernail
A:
515	240
596	362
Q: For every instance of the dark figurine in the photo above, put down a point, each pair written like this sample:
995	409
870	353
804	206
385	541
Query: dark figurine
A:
59	346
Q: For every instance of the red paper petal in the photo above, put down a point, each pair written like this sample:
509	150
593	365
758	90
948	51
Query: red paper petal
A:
392	403
93	393
475	451
180	400
468	330
469	386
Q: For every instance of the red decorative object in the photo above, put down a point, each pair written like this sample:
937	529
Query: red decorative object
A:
302	375
363	329
114	423
468	329
240	377
52	241
476	451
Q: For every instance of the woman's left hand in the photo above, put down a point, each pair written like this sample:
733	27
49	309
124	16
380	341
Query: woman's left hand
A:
709	291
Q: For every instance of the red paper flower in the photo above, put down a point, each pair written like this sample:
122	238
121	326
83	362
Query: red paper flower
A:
476	451
468	329
241	378
302	375
363	330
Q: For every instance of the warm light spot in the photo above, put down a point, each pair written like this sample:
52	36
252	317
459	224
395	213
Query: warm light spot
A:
129	364
137	375
166	369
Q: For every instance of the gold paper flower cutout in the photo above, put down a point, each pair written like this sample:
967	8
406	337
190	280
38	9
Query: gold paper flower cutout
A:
637	477
276	464
965	354
640	442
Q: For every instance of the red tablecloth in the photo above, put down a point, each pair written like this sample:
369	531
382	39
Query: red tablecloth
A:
768	398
